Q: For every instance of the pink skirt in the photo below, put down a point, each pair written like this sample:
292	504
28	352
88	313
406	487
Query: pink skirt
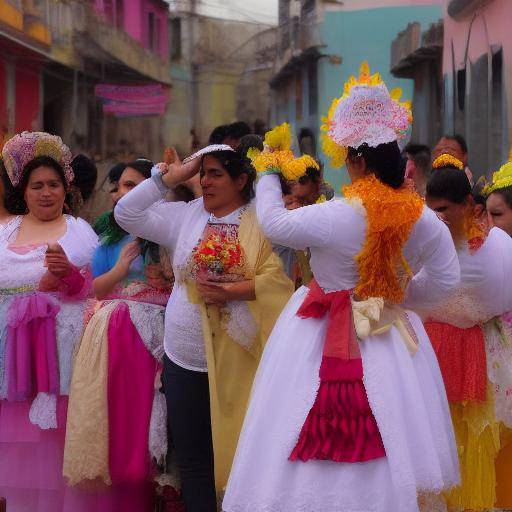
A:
31	470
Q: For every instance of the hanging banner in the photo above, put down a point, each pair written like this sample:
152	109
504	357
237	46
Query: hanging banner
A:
132	100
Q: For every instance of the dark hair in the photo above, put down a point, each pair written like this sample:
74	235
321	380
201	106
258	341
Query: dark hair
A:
312	175
449	183
218	134
459	139
250	141
10	199
16	203
384	161
420	155
238	129
286	186
115	172
236	164
506	193
477	191
86	175
142	166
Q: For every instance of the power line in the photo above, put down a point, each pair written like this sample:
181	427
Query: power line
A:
248	14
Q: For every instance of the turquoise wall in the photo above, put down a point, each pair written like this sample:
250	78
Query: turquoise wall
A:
363	35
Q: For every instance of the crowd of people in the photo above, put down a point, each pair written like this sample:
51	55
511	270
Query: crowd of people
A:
232	336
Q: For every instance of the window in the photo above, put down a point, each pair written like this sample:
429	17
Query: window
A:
175	29
298	96
313	88
153	32
308	8
120	14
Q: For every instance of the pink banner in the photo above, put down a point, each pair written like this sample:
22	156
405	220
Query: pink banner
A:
133	100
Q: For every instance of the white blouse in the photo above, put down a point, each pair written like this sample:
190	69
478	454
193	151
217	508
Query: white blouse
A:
484	290
16	270
334	232
178	226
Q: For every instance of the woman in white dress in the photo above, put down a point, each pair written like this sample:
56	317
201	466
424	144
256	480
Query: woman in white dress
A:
335	423
44	268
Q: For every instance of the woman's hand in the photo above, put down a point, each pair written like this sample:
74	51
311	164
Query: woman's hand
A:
57	262
214	292
176	172
128	253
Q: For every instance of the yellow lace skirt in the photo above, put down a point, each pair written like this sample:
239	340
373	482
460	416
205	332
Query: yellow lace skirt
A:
477	434
504	471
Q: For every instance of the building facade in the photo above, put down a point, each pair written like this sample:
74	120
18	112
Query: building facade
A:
471	74
321	43
220	69
53	56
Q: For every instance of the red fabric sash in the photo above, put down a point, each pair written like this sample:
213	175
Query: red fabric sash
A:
462	359
340	426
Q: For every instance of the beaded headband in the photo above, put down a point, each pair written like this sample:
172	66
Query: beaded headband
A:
366	113
24	147
213	148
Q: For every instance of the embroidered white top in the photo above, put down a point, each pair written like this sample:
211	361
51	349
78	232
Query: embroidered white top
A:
178	226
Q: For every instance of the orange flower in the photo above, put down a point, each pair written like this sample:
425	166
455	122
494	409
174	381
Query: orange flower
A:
391	215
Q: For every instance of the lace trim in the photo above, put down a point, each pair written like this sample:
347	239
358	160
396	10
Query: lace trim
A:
498	345
315	500
148	319
43	412
158	428
239	323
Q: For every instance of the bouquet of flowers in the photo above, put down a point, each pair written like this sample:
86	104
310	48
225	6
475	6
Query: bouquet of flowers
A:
219	257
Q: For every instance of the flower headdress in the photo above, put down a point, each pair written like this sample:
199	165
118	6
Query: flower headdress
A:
500	179
446	160
278	158
24	147
366	113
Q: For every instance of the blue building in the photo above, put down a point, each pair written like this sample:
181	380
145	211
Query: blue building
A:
321	43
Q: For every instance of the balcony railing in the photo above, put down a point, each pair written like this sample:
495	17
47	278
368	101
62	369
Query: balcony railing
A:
411	46
80	32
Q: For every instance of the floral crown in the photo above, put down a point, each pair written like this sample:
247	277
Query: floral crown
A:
24	147
446	160
500	179
366	113
278	158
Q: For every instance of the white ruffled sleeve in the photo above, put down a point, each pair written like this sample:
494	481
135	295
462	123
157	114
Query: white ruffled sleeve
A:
80	242
440	271
305	227
142	213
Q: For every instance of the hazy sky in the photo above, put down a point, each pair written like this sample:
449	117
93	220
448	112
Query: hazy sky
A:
264	11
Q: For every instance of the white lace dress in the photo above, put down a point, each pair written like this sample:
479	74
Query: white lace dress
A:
32	434
405	392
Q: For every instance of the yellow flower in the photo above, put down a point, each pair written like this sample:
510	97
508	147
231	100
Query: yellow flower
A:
337	153
446	160
279	138
253	153
294	169
500	179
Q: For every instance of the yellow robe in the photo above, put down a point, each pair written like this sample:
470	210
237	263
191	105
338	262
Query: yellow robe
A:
231	368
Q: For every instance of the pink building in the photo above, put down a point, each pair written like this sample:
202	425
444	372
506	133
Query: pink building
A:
144	20
462	69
